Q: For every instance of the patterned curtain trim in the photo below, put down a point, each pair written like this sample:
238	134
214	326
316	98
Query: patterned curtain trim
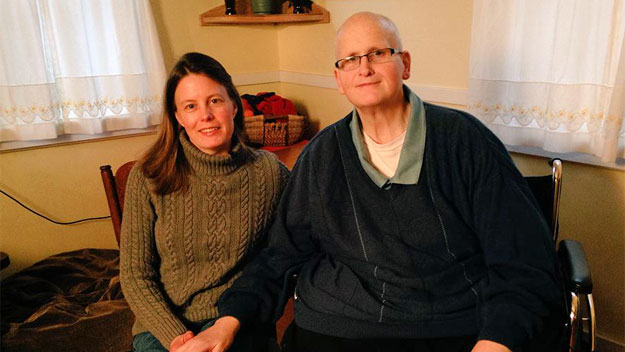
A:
104	107
552	119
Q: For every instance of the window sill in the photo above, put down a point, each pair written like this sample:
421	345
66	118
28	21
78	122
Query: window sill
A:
12	146
583	158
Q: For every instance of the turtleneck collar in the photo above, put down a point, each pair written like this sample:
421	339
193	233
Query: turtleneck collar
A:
212	165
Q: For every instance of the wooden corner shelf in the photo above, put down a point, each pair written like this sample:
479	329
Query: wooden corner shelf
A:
216	16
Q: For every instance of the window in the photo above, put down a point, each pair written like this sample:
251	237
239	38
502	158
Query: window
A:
78	67
554	75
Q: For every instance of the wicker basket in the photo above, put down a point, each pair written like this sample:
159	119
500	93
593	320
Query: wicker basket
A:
264	130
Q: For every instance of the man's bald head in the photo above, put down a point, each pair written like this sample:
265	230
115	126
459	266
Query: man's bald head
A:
360	20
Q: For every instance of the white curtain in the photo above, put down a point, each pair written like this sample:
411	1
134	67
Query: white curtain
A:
551	73
78	66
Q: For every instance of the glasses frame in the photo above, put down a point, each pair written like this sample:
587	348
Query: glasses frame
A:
336	64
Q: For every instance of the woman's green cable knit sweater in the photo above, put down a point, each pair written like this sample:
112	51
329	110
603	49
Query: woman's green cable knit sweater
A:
180	251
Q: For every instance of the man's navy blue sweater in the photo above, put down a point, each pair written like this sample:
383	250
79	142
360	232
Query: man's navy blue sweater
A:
465	251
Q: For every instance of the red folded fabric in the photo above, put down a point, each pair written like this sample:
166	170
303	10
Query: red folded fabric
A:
273	105
265	108
281	106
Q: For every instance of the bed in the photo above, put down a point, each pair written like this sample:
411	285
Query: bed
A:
71	301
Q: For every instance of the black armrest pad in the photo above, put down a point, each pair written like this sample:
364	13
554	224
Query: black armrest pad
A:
575	267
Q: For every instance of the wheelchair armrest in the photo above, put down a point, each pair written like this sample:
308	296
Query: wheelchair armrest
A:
576	271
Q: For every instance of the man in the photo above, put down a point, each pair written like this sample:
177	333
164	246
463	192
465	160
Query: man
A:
408	223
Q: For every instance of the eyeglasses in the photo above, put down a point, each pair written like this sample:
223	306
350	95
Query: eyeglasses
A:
376	56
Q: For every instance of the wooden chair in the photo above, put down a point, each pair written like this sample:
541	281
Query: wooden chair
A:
115	189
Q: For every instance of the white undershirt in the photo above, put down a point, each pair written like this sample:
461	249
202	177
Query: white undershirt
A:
385	157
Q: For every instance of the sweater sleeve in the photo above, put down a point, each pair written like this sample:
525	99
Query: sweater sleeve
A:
138	263
521	289
259	295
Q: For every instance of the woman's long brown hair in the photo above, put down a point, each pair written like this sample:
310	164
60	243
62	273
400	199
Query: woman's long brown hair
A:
165	163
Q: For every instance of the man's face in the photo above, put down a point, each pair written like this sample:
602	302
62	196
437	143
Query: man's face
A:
370	85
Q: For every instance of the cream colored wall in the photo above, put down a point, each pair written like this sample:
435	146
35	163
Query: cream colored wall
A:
434	32
323	106
63	183
239	48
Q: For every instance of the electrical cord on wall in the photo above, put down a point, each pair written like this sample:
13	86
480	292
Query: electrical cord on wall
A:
47	218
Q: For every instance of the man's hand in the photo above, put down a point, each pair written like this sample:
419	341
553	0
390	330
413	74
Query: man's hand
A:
180	340
217	338
489	346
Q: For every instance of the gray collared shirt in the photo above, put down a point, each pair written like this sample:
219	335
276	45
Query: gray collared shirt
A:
411	157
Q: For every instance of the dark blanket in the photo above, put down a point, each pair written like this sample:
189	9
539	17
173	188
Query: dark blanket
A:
67	302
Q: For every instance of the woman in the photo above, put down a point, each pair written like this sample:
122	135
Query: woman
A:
197	206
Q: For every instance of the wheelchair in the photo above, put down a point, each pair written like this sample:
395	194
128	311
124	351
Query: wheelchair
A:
580	329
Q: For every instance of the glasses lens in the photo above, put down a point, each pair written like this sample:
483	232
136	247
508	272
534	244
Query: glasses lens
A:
350	63
380	55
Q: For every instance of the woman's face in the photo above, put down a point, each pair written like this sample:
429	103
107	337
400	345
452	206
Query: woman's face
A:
206	112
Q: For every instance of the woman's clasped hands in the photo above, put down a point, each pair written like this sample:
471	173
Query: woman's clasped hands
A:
217	338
